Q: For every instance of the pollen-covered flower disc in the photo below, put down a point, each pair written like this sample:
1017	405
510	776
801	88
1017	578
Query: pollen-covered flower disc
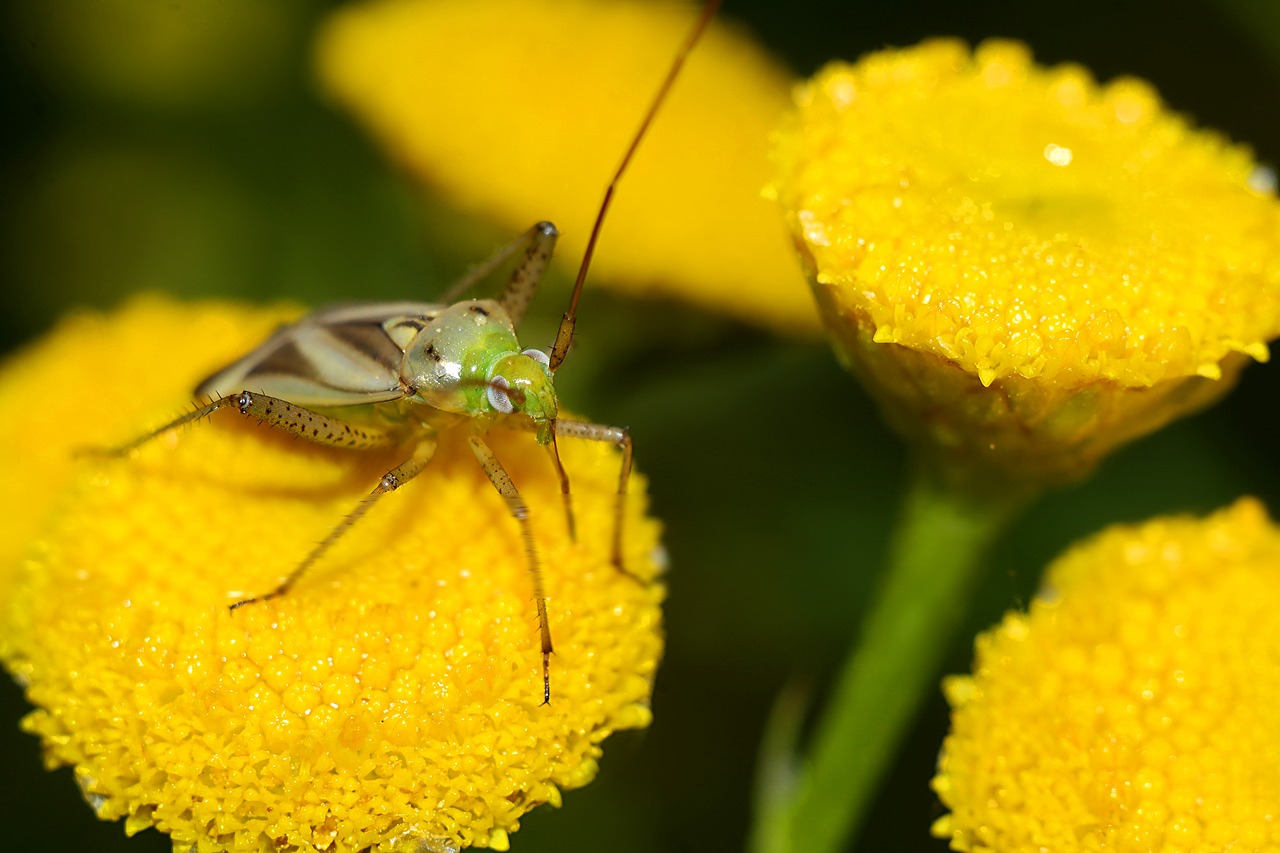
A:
1026	268
392	699
1135	706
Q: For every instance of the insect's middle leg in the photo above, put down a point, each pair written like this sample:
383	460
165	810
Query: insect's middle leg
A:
335	432
520	511
389	482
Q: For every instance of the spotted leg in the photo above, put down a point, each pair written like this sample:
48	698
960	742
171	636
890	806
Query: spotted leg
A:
276	413
539	242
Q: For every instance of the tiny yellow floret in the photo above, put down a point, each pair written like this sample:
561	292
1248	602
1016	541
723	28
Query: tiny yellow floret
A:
521	110
1135	707
1023	265
391	700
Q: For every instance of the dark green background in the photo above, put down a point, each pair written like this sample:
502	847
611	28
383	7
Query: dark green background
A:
770	468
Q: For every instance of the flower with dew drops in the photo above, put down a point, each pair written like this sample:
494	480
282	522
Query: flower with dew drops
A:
1025	268
391	700
1134	706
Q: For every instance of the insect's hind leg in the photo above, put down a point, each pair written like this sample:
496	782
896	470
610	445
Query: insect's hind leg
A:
539	242
518	293
277	413
389	482
619	437
520	511
197	414
311	425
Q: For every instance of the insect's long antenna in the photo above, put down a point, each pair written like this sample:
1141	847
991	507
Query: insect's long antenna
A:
564	335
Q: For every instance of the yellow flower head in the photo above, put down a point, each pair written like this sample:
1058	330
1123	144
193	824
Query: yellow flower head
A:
1025	267
520	110
391	699
1135	707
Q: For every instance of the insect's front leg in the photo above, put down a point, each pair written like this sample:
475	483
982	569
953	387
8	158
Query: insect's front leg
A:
389	482
566	495
520	511
619	437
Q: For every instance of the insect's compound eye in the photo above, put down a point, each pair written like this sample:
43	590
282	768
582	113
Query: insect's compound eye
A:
538	356
497	394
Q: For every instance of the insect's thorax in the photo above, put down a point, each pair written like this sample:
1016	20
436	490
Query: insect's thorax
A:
464	360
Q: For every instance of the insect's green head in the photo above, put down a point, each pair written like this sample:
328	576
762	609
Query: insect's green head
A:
521	382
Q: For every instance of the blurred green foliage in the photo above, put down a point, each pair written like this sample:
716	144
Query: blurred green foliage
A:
181	146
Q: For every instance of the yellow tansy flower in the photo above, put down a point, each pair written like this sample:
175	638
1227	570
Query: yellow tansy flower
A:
521	110
1026	268
1136	706
391	700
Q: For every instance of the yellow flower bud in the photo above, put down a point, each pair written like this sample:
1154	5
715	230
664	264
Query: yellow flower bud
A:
1136	706
392	698
1025	268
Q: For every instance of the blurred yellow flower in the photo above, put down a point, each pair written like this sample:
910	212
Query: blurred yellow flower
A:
390	701
521	110
1026	268
1135	707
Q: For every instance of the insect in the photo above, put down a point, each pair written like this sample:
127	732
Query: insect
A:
428	367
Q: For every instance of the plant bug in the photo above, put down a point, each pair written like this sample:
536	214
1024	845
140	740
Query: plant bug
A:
427	367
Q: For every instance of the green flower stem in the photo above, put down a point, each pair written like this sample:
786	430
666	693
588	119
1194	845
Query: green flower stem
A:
939	545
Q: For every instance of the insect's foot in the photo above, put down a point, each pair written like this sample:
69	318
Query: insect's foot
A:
93	452
546	678
570	521
256	599
623	570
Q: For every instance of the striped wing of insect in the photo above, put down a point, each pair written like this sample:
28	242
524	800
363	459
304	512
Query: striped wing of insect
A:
427	367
